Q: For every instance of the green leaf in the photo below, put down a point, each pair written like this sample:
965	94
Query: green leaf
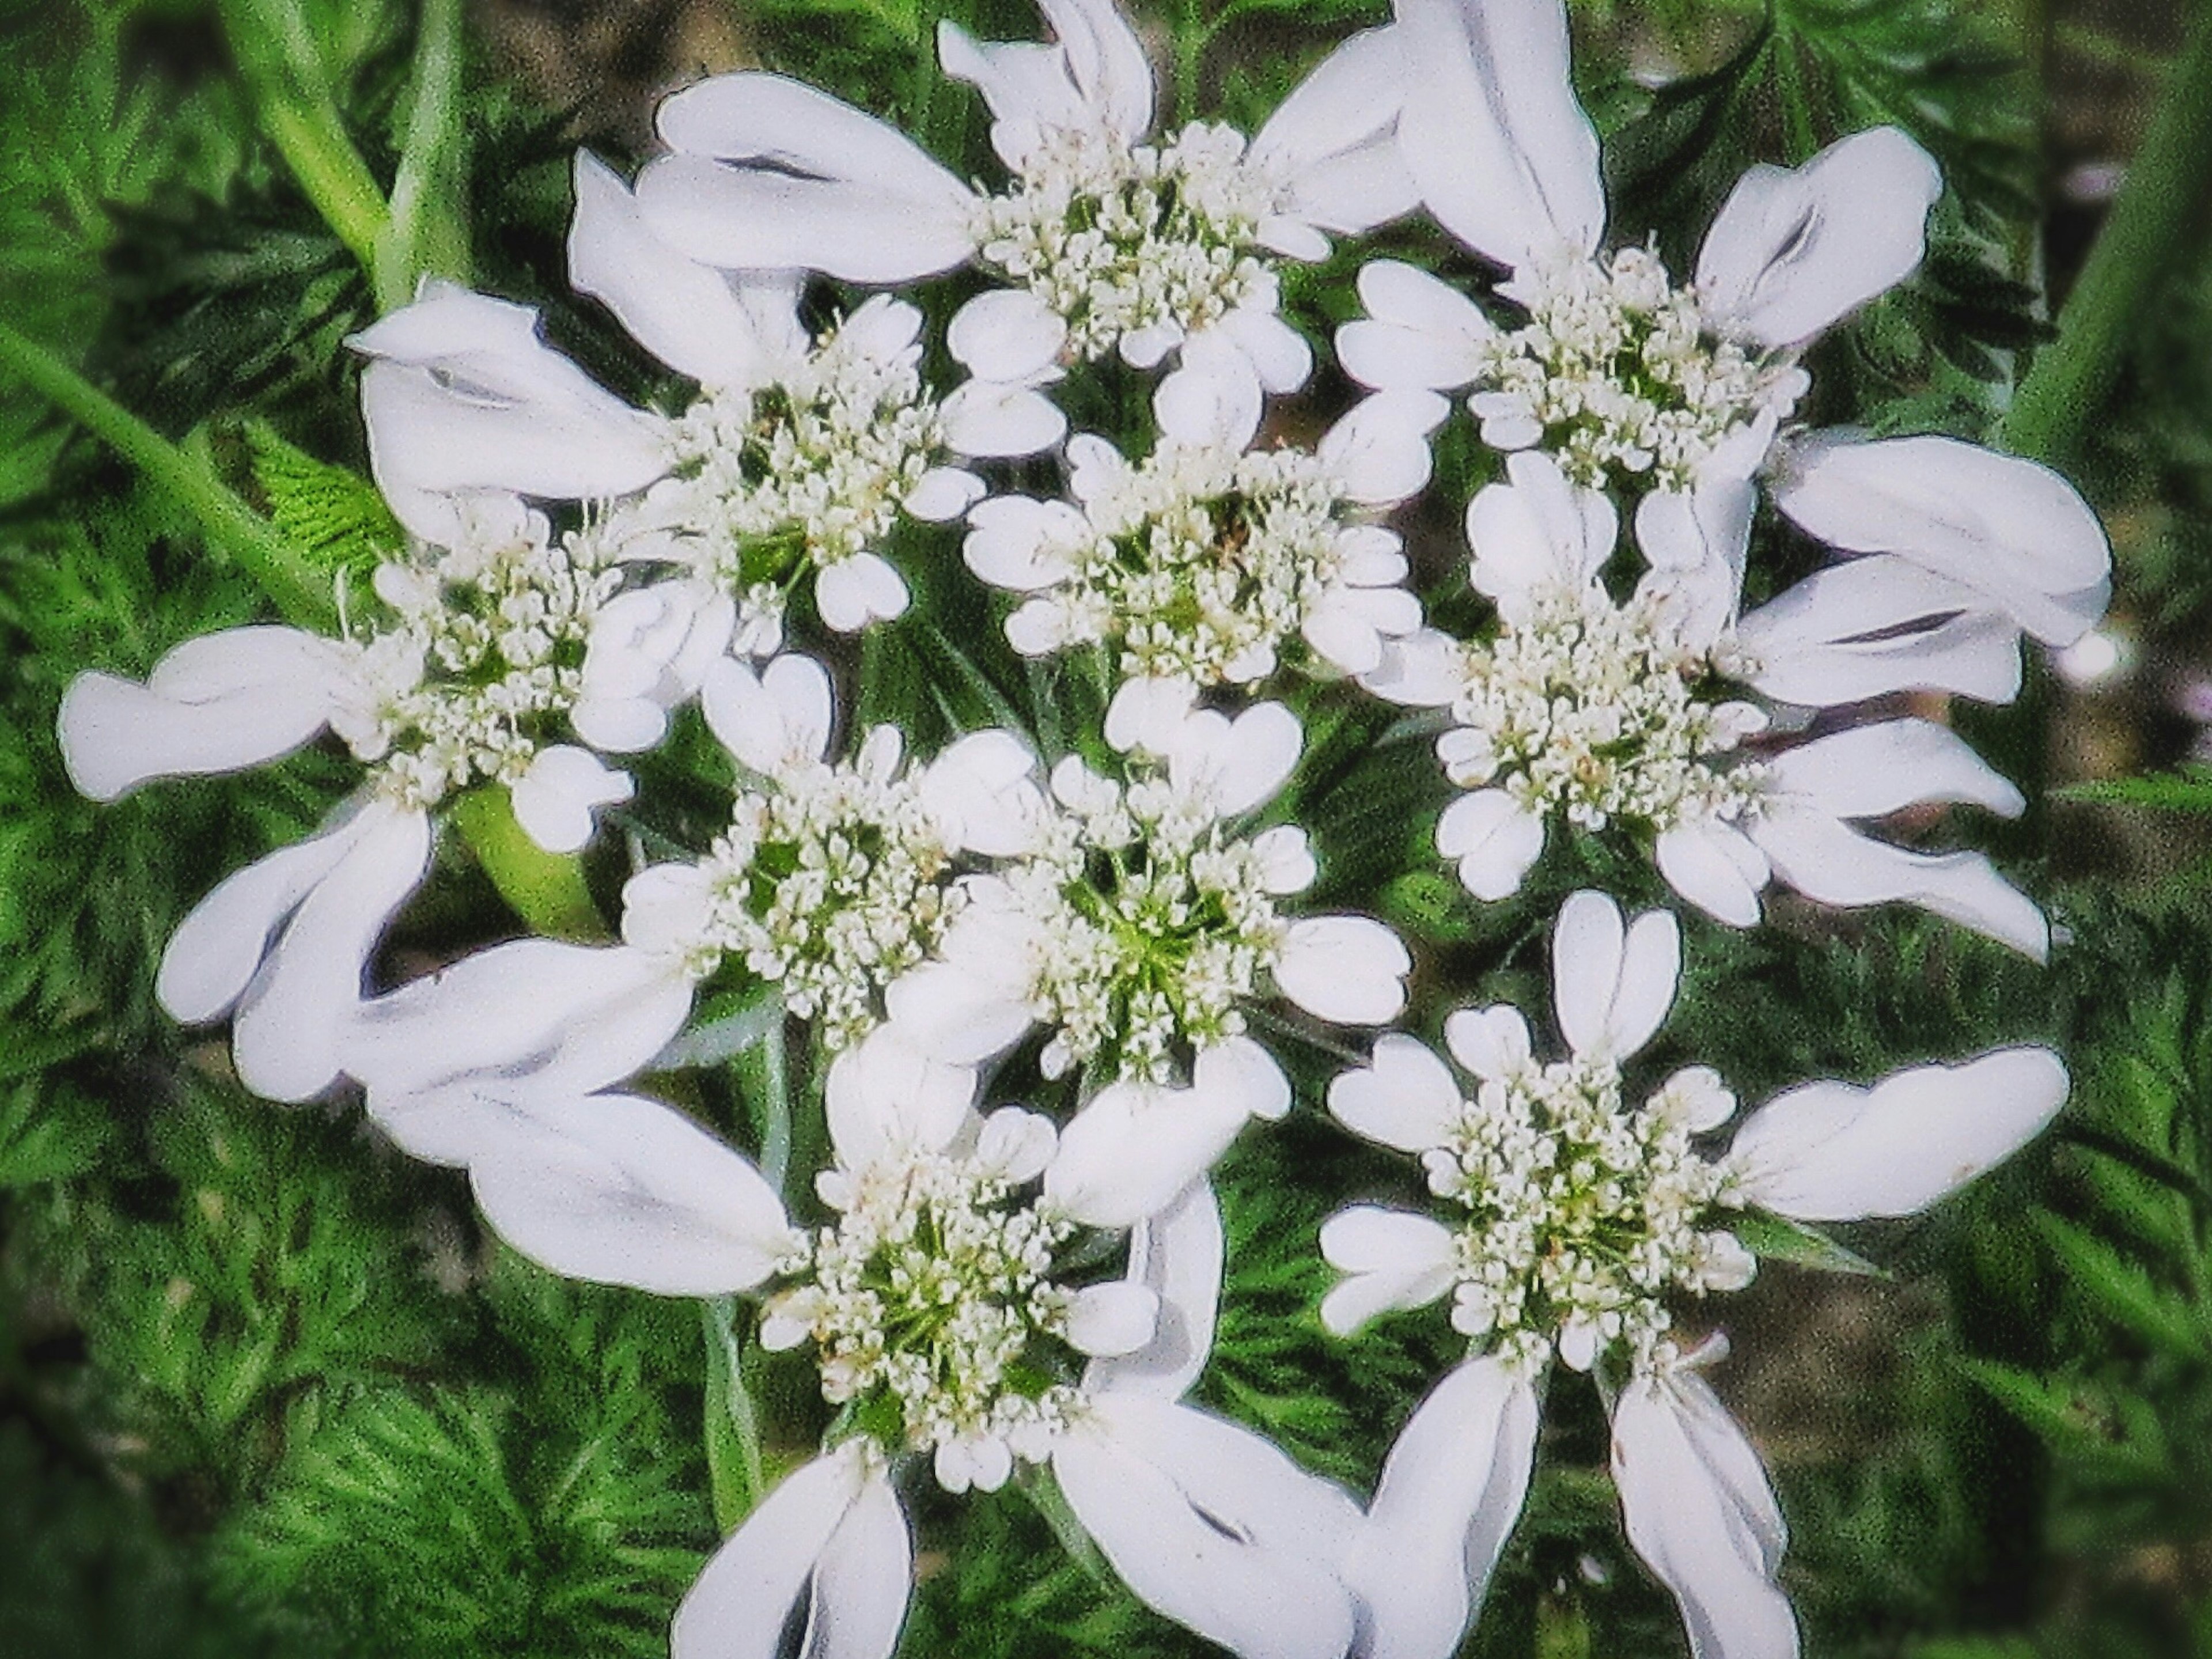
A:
1776	1238
2121	1290
2186	791
332	514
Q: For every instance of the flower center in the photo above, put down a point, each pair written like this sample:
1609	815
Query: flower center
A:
1201	564
1616	373
933	1309
829	885
1582	1216
1598	713
484	652
1127	241
1158	927
776	482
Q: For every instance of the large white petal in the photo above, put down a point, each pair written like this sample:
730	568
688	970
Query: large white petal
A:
1337	126
1176	1252
738	1606
957	1014
1871	771
862	1580
1696	543
1795	250
1378	452
1825	859
1613	985
1351	970
1213	399
1404	1097
621	1190
1504	155
857	225
1419	333
991	418
983	791
885	1096
1026	84
686	313
1132	1150
1212	1526
2015	532
1450	1492
1236	1071
1107	63
1235	766
1715	866
1872	626
464	394
557	798
1699	1511
1391	1260
1427	669
288	1037
1538	535
1021	544
857	591
775	721
221	702
1832	1151
221	945
1495	840
567	1018
1007	334
811	183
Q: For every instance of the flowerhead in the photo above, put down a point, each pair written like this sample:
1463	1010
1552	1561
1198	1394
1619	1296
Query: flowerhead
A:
1586	1217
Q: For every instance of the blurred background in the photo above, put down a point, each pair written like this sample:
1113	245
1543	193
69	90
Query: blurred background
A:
266	1391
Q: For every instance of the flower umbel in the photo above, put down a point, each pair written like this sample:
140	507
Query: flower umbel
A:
1147	243
485	651
1601	712
1583	1216
772	483
932	1308
1159	923
1620	375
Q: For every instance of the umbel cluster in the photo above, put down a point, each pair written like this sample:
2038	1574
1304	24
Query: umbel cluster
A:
1119	908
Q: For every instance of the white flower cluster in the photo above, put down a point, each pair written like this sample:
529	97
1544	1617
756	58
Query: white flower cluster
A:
1600	714
827	884
772	483
1158	924
1583	1216
1620	374
1150	243
933	1309
1201	562
485	653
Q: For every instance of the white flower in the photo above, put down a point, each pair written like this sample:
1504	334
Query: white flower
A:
1579	1222
832	879
1630	718
470	674
1142	928
1208	558
942	1318
1630	379
786	475
1112	242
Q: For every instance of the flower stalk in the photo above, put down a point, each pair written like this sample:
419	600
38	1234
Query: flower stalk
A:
426	232
283	74
2149	227
229	526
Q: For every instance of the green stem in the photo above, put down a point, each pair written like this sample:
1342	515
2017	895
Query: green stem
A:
546	889
426	232
1191	35
2147	230
229	526
735	1477
763	1078
283	73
